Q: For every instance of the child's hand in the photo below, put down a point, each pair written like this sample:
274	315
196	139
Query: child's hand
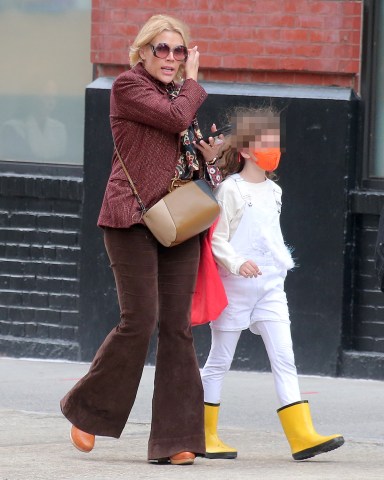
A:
249	269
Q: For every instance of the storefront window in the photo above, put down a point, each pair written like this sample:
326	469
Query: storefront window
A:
45	52
377	164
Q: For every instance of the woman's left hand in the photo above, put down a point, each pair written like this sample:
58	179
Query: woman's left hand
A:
211	149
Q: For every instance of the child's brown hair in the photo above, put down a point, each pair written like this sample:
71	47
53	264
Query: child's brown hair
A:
247	126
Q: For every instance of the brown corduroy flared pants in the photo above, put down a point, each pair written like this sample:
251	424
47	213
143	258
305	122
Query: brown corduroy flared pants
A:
155	286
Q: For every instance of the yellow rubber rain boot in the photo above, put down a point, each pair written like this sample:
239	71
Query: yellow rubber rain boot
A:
304	441
214	447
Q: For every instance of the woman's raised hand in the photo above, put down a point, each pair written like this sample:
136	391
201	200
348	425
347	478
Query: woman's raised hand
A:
192	63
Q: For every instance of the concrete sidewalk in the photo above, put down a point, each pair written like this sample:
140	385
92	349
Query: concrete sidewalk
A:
34	437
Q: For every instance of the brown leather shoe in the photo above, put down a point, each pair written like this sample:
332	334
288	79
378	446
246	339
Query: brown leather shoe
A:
182	458
81	440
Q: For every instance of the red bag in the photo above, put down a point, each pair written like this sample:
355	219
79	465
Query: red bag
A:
209	299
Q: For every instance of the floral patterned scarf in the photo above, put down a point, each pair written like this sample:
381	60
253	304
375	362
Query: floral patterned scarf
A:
188	161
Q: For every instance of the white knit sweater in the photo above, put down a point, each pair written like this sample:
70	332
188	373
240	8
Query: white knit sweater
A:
233	198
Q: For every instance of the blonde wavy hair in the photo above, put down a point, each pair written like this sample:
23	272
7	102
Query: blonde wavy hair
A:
153	27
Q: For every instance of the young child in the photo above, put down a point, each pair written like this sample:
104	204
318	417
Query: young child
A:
253	261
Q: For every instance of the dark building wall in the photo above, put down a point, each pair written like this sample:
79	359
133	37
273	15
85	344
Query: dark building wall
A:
39	250
363	332
316	174
57	294
368	333
98	301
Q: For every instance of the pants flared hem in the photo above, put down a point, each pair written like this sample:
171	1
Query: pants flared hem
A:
165	447
88	422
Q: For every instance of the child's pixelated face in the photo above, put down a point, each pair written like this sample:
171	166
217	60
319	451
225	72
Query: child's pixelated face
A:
259	131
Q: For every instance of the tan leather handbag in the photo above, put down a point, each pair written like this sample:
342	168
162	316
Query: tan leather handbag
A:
181	214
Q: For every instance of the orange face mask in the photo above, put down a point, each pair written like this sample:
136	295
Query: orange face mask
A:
268	158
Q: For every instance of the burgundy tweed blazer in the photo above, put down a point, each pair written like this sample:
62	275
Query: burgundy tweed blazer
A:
145	126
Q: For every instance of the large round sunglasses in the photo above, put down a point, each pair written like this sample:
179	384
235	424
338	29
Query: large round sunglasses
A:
162	50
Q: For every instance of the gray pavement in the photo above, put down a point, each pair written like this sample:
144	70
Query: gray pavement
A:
34	437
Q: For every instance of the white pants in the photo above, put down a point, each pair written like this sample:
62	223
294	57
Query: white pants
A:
278	343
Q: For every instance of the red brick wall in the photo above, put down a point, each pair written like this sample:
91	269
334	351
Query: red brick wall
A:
275	41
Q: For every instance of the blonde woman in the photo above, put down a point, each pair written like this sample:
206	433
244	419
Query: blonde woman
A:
153	122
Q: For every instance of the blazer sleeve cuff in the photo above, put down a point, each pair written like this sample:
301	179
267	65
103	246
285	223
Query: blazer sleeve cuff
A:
195	91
